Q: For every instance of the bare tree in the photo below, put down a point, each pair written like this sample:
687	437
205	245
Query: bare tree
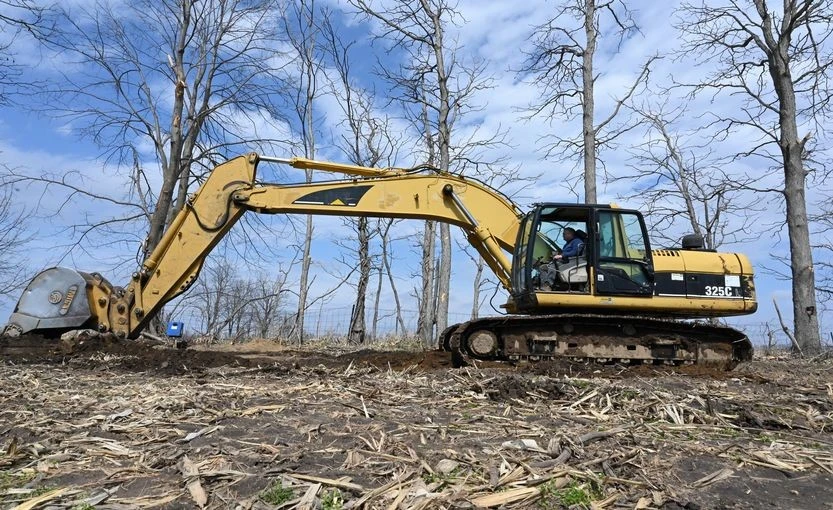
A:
208	297
384	226
681	184
478	283
267	307
562	63
367	141
355	258
14	235
230	305
427	299
779	62
186	78
237	308
426	318
418	28
303	30
357	329
17	16
434	80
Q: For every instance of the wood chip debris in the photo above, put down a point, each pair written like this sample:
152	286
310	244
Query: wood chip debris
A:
93	434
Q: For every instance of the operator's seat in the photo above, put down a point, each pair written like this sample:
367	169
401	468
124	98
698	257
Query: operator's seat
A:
581	234
574	271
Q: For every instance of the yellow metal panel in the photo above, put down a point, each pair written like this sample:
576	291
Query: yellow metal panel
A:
673	306
710	262
693	261
669	263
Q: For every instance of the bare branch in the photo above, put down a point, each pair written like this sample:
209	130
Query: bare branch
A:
562	65
779	63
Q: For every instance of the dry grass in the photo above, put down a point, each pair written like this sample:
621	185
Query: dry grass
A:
90	433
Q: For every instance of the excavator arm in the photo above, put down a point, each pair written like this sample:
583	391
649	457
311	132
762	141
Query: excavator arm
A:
489	218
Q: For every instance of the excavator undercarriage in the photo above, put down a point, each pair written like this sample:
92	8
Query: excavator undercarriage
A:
599	338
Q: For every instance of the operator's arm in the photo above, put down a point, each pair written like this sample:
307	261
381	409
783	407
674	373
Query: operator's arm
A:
572	248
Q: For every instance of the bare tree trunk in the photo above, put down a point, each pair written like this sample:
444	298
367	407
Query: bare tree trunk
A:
357	322
588	103
444	146
375	324
159	218
427	316
444	278
425	322
386	263
171	167
805	318
475	295
801	255
303	291
305	45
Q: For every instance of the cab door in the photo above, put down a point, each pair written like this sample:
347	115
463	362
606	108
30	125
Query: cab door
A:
622	259
522	257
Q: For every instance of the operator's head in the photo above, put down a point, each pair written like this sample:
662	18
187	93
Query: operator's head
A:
569	233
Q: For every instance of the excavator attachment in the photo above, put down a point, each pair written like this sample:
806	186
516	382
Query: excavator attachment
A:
58	299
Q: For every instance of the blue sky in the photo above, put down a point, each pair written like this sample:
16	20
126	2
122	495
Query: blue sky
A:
496	32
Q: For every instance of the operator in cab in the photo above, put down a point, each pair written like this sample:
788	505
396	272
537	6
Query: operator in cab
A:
572	244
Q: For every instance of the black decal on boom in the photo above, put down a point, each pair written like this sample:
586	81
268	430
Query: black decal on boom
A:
347	196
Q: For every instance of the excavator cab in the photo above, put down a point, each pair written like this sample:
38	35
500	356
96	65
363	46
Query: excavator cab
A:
615	258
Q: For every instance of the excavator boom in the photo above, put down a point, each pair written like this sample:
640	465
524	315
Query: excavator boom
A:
230	191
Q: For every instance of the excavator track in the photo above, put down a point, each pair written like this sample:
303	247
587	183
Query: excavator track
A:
599	338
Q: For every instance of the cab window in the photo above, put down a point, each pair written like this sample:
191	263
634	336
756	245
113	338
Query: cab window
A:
624	264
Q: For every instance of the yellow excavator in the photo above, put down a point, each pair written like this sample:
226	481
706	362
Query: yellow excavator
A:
616	300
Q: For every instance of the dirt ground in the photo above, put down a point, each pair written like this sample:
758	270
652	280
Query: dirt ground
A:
98	424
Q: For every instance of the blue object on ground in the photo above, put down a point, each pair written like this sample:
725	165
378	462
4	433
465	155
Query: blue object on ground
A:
175	328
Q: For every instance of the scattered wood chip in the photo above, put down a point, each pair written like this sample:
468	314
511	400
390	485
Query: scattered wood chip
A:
720	474
43	498
506	497
341	484
192	482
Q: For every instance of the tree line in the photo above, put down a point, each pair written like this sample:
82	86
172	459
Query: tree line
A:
167	89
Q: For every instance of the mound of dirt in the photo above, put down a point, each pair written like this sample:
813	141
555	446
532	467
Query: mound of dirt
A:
519	386
399	360
108	352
